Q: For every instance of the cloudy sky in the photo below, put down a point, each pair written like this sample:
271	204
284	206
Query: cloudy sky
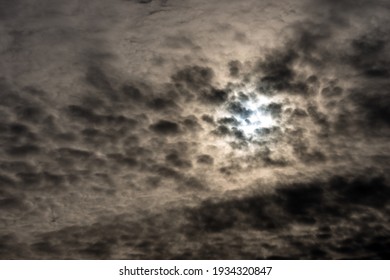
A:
194	129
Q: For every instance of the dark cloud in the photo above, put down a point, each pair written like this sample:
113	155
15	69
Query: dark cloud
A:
330	92
9	8
175	160
165	127
181	42
161	104
98	79
275	109
132	92
214	96
123	160
9	166
205	159
23	150
166	172
278	75
83	114
191	122
194	77
192	183
186	132
10	203
87	115
299	113
375	107
236	108
208	119
320	212
235	68
318	117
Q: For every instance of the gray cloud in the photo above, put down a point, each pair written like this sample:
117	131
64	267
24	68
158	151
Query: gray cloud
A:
126	127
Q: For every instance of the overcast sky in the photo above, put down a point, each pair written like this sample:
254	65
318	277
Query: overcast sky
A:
194	129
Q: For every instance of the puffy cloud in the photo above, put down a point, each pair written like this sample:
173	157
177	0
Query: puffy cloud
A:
214	131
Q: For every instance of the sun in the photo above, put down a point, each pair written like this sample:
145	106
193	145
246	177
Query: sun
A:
258	118
247	113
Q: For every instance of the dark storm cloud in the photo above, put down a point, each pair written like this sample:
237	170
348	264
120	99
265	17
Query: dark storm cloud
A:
144	1
267	159
278	75
375	108
161	104
195	77
214	96
123	160
342	12
208	119
181	42
234	68
174	159
9	8
298	113
165	127
11	203
22	150
303	46
236	108
9	166
87	115
199	80
205	159
192	123
306	204
106	138
332	91
324	229
41	180
318	117
354	108
275	109
369	55
97	78
132	92
25	143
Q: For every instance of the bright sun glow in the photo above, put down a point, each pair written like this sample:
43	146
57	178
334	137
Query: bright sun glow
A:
255	117
258	118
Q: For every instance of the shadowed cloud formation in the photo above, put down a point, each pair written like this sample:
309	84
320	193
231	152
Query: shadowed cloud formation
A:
205	131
